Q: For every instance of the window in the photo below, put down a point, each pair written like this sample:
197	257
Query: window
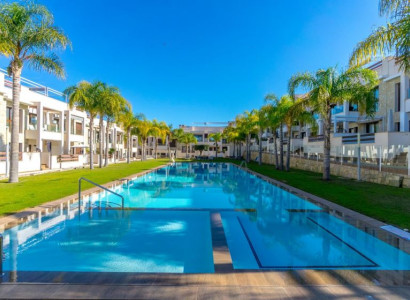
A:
397	96
353	107
371	127
397	126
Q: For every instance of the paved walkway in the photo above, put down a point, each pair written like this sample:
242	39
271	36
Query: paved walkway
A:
63	291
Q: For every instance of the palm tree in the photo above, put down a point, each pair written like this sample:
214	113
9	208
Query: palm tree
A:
113	104
129	121
247	124
164	133
231	133
188	139
107	100
293	110
156	133
262	124
328	88
143	129
216	137
385	39
85	96
177	135
271	106
28	36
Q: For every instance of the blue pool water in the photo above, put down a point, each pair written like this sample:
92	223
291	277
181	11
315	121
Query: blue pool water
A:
109	241
173	231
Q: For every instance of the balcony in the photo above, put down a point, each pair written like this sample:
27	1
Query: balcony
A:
319	138
51	128
365	138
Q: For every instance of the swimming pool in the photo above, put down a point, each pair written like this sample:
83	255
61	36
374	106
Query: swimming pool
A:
167	229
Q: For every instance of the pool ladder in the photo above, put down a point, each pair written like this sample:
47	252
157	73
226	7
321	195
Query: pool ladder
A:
243	163
98	185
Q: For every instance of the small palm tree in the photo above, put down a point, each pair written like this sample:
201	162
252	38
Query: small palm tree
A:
262	124
188	139
328	88
156	133
293	110
143	129
247	124
164	133
275	121
106	101
393	37
129	121
85	96
177	135
232	133
216	137
28	36
111	105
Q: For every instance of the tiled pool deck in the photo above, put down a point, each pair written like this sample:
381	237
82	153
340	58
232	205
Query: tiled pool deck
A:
226	282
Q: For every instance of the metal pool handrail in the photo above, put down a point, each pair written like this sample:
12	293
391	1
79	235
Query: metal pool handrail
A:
100	186
242	163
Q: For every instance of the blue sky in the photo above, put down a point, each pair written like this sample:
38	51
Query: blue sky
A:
195	61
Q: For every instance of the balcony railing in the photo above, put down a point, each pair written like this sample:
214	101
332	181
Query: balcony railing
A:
365	138
51	128
34	87
3	156
318	138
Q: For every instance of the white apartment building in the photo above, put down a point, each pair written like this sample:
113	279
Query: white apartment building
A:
202	132
52	135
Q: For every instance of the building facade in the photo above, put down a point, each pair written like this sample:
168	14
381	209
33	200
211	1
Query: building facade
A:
50	130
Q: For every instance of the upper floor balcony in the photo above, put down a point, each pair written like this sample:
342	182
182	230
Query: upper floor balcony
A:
33	87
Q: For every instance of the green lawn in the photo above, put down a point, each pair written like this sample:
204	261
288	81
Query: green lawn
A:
385	203
38	189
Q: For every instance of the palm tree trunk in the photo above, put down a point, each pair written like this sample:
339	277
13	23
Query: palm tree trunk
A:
281	147
128	145
260	147
288	149
14	157
91	141
216	149
143	149
156	144
326	146
275	149
168	148
186	150
248	148
101	141
107	133
234	146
